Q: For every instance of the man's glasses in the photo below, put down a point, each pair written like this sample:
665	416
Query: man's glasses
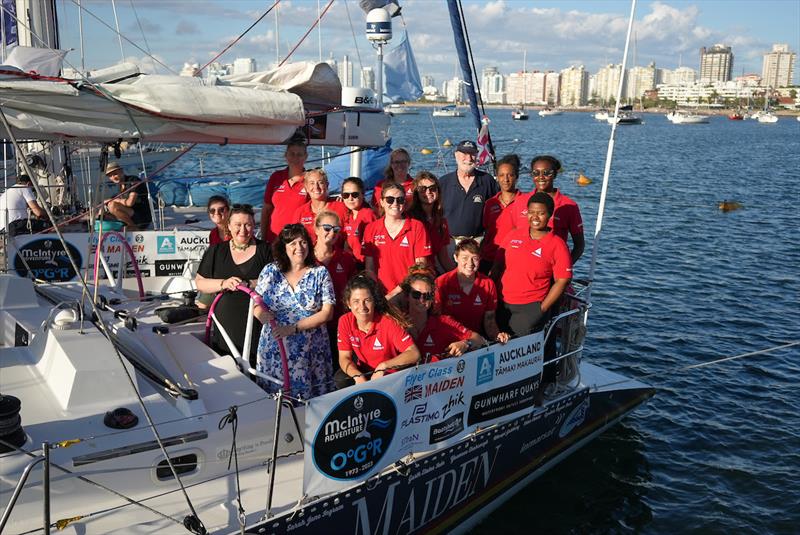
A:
391	200
220	211
351	194
422	296
401	162
329	228
433	188
547	173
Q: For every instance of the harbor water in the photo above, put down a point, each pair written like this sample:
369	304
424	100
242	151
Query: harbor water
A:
678	283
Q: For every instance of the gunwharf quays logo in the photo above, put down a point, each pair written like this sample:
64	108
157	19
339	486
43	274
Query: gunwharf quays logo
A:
355	435
47	260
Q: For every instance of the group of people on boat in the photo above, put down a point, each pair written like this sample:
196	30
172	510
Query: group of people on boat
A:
432	268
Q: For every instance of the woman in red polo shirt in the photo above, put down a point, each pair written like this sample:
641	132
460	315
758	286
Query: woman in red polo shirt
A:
537	268
341	266
394	243
358	216
371	336
426	207
468	295
436	335
316	184
285	191
397	172
497	210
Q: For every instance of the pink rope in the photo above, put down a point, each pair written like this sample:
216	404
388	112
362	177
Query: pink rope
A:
97	251
287	387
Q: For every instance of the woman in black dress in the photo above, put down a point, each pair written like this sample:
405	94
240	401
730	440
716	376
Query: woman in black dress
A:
226	265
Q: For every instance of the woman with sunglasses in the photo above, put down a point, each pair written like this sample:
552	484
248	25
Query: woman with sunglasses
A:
566	217
396	172
218	207
316	184
372	336
536	269
340	263
436	335
226	265
394	243
468	295
358	214
507	200
426	207
285	190
298	294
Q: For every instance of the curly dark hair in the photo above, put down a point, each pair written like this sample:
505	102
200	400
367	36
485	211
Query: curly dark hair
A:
543	198
422	273
364	281
417	212
290	233
512	160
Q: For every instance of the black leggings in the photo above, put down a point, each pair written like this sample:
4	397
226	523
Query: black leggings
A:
528	318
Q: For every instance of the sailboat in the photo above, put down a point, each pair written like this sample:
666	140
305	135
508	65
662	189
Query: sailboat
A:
116	416
519	113
686	117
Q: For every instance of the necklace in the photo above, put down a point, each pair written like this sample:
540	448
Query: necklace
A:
239	247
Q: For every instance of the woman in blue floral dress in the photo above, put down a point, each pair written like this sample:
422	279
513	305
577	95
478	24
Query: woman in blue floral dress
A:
298	295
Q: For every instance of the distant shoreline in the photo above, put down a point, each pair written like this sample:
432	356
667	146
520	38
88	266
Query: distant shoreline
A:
704	111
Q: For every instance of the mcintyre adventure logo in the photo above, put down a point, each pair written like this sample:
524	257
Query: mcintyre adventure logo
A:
47	260
355	435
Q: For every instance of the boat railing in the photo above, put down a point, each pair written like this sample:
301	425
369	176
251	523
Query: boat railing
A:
569	328
23	479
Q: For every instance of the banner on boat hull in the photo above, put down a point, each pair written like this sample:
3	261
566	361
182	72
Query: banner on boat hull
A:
158	253
356	432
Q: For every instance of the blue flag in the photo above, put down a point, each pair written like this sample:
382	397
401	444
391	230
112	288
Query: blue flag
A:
400	73
10	22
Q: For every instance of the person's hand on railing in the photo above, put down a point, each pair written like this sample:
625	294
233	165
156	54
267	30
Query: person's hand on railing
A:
502	337
380	371
263	315
230	283
456	349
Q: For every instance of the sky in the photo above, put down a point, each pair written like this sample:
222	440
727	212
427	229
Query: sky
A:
555	34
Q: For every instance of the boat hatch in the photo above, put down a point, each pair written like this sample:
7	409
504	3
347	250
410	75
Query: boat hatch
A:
184	464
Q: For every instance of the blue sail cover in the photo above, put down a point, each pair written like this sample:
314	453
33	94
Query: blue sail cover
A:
402	79
373	163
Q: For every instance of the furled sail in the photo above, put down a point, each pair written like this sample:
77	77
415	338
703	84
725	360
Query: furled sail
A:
403	82
257	108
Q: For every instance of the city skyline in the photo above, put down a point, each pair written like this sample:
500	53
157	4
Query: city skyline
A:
554	34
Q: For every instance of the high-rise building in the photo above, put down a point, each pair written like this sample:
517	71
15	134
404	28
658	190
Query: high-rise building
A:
716	63
493	86
639	80
346	72
428	81
244	66
681	75
607	83
453	90
368	78
778	68
574	86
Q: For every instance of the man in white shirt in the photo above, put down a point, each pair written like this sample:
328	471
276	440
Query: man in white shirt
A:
14	205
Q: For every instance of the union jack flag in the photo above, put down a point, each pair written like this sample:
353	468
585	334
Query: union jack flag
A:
483	142
415	392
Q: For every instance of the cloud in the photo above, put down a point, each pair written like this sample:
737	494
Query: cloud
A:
186	27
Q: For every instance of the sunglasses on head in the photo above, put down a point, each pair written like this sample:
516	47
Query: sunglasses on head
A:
391	200
215	211
423	296
328	228
547	173
433	188
351	194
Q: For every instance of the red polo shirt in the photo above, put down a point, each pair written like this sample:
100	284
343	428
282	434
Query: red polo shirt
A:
470	308
385	340
341	267
285	199
354	229
306	216
407	184
214	237
393	256
566	219
496	223
438	239
438	333
531	265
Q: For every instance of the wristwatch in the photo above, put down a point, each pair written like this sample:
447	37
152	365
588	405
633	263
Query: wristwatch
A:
469	344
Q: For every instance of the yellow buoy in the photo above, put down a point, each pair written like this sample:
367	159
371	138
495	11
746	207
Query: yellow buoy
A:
583	180
729	206
447	143
426	151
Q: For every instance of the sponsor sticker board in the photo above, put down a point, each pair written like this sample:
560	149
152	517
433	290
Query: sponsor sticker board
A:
353	433
158	253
